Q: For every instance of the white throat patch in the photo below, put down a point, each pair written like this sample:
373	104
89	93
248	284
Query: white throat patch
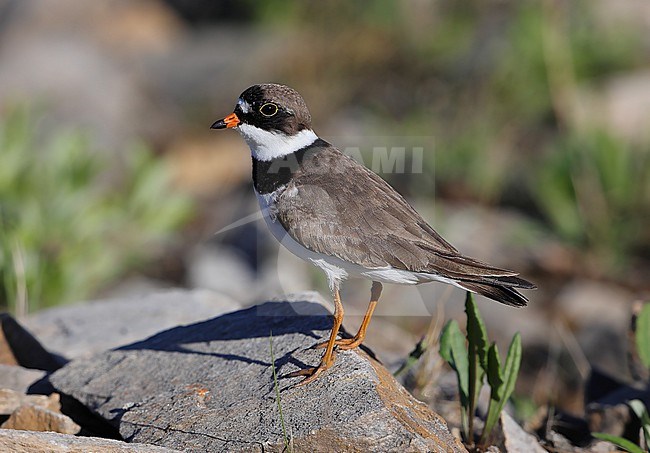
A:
266	145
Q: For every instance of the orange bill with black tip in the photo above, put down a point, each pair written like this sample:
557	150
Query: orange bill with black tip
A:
228	122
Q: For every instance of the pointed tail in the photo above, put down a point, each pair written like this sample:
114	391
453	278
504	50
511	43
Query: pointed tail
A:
501	289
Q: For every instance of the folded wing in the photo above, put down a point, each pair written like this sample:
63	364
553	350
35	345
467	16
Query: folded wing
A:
338	207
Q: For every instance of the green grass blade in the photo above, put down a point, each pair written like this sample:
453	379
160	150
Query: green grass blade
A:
420	348
619	442
643	335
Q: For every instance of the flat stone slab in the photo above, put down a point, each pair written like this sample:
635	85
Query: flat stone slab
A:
209	387
81	330
17	378
31	441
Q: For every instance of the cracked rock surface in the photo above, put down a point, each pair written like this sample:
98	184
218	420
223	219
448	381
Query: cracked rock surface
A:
209	386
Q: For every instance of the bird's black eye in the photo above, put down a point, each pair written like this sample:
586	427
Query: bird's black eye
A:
269	109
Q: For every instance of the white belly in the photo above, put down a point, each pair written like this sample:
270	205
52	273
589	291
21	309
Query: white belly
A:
335	268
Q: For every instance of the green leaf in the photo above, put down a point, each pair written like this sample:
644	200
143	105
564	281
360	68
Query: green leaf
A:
641	412
511	368
476	354
643	335
495	380
452	349
619	442
502	382
494	372
476	331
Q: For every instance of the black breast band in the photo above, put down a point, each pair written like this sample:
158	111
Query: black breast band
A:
270	175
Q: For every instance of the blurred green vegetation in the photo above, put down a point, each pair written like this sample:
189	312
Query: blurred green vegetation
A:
596	192
497	85
65	231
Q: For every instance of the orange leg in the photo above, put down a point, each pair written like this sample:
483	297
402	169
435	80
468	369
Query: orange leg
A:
351	343
328	358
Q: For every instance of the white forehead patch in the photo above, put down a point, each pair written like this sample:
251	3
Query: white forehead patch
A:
243	105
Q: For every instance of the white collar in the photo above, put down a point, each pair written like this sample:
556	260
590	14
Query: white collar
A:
267	145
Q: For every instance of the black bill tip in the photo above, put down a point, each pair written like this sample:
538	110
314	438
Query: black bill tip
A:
219	124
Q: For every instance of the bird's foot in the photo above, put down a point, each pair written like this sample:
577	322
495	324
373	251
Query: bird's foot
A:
311	373
344	344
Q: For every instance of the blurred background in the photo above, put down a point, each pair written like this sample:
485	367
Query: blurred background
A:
534	117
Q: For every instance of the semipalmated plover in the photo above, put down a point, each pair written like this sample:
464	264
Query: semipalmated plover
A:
335	213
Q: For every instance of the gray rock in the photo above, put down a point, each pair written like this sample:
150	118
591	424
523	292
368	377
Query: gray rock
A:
600	316
209	387
135	286
516	440
17	378
10	401
84	329
30	441
222	270
31	417
35	413
587	303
